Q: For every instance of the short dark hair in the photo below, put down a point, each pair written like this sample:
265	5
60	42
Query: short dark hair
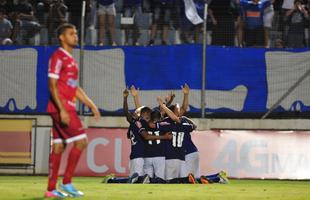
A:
155	115
145	110
62	28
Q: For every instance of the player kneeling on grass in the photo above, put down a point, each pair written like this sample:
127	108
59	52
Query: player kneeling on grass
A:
154	152
138	136
181	128
67	127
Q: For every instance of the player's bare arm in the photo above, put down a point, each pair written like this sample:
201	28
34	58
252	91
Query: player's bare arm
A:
166	136
125	106
135	94
185	90
168	111
52	86
169	99
81	95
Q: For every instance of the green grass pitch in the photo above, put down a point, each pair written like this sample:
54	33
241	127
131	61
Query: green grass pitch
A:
33	187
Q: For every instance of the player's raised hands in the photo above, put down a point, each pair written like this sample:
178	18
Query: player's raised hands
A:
160	101
185	89
170	97
126	92
134	92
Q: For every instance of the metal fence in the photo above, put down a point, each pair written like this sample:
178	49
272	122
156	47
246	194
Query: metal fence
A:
268	78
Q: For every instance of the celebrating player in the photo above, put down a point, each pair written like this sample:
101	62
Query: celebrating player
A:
138	135
181	128
175	153
67	127
154	151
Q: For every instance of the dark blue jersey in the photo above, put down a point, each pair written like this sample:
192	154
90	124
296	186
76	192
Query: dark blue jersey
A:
188	143
175	148
137	142
153	148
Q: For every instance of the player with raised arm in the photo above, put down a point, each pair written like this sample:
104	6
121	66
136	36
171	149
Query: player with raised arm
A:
191	151
175	153
154	151
137	143
176	124
137	135
67	127
135	94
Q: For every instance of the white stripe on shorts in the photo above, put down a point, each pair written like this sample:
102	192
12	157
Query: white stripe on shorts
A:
57	141
76	138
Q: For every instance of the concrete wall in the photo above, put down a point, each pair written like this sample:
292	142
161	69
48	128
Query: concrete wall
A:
44	125
203	124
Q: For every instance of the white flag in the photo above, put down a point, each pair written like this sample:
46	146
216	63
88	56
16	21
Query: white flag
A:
191	12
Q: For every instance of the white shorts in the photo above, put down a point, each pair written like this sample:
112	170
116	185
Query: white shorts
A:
268	17
192	164
155	166
175	168
106	10
136	166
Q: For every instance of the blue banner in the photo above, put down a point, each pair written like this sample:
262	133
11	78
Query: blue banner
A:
238	79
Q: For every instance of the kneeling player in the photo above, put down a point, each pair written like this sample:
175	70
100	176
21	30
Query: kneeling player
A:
137	135
181	128
154	152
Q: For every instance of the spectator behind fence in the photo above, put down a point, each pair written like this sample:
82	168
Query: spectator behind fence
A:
75	10
5	7
162	16
296	20
286	6
42	10
224	31
25	23
56	17
106	13
91	14
5	29
279	44
252	13
268	19
191	32
132	9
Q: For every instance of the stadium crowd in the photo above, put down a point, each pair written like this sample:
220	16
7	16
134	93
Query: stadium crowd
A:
243	23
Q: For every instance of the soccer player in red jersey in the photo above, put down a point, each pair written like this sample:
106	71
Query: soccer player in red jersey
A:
67	127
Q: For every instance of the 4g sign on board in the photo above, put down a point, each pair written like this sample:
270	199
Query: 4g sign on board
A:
243	154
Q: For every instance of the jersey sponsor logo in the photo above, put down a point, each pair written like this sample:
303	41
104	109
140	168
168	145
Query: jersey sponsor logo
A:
72	64
71	103
72	82
253	14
